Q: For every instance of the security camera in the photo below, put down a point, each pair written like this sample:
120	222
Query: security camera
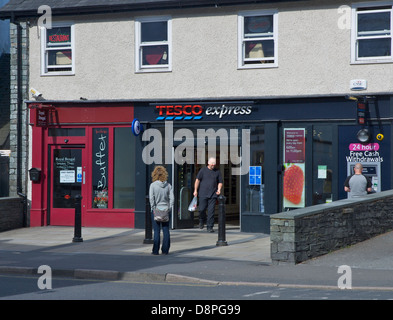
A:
35	93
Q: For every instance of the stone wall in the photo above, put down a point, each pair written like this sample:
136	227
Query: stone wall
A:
302	234
11	213
23	126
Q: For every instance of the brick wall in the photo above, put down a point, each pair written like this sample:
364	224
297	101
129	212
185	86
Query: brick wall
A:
302	234
11	213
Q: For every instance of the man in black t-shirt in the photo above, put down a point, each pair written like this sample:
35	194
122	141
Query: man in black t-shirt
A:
209	183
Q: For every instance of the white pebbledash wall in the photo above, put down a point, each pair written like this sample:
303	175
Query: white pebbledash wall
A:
314	57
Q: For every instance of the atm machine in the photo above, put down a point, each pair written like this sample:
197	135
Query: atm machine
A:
371	170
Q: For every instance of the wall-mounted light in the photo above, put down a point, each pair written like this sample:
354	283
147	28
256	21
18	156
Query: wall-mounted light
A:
363	135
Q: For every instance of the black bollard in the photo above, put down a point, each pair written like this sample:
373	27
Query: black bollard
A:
78	219
221	222
148	226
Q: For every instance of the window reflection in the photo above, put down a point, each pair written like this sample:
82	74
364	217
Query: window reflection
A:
322	164
255	192
124	169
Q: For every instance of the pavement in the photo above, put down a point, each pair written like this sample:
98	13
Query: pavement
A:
121	254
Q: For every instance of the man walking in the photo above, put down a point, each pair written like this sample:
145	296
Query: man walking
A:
209	183
357	185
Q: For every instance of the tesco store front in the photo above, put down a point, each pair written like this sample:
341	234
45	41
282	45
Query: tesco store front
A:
274	155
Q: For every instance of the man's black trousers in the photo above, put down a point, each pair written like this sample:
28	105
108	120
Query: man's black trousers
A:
207	204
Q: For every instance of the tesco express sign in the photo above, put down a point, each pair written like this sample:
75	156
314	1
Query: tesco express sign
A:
197	111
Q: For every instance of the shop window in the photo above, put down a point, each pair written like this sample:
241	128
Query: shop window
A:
322	164
100	168
57	50
113	172
124	169
257	39
153	44
372	34
255	181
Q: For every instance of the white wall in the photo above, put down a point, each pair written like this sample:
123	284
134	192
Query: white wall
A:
313	58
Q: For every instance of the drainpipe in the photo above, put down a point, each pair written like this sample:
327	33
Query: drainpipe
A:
19	119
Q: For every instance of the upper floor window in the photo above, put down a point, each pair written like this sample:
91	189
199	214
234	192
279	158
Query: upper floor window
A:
371	34
57	54
153	44
257	39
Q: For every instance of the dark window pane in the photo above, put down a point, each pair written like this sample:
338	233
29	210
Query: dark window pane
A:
59	36
258	26
374	48
124	169
374	23
154	31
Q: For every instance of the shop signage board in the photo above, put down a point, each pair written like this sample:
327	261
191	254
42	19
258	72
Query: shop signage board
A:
202	111
59	35
42	117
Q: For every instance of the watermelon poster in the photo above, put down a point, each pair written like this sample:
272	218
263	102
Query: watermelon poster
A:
294	164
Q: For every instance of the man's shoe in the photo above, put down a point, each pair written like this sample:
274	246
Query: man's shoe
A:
201	225
210	230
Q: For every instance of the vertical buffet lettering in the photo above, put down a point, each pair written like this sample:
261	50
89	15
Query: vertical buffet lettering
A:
100	167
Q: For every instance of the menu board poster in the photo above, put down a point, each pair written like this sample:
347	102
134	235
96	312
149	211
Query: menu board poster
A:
294	164
294	145
100	167
293	185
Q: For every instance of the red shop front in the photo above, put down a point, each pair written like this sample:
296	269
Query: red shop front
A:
87	149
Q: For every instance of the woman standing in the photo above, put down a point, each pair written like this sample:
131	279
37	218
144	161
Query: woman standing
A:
161	198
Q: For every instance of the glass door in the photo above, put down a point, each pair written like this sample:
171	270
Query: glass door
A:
183	189
67	178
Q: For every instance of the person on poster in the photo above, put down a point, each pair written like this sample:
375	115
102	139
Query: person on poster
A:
208	185
161	197
357	185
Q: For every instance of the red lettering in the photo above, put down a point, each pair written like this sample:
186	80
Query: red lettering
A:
160	108
188	113
178	110
59	38
194	110
169	110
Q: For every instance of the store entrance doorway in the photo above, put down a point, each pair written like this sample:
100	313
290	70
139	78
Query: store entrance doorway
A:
184	176
67	180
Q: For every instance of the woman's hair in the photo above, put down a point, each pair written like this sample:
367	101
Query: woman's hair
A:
159	173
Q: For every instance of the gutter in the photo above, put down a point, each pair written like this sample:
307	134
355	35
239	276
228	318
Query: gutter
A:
133	6
19	120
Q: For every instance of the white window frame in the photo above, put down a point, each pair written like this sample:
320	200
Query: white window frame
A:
139	68
44	50
375	7
242	41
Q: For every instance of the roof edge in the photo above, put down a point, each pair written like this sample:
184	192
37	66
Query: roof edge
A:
10	12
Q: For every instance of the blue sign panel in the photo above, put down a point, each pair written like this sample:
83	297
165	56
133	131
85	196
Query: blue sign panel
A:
255	175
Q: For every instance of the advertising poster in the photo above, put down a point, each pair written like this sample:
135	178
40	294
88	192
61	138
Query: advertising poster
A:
100	167
294	164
